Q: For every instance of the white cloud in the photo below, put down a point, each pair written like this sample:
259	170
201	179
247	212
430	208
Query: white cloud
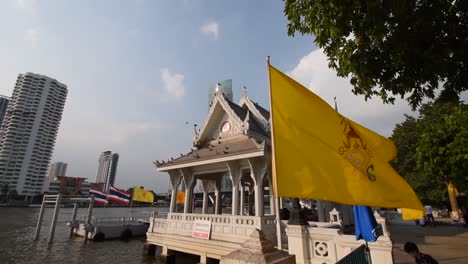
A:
313	72
32	36
26	4
211	28
173	82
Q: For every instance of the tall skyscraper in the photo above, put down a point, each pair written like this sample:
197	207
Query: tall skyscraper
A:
57	169
107	169
29	130
3	107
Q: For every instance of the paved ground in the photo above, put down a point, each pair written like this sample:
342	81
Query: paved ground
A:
446	243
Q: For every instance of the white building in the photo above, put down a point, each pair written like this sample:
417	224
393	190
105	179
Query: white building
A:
107	169
57	169
29	130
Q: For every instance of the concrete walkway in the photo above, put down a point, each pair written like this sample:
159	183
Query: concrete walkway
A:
446	243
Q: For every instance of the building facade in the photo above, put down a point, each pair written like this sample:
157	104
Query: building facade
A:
68	186
57	169
29	131
3	107
107	169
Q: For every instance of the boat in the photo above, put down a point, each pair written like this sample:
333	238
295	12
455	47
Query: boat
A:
103	228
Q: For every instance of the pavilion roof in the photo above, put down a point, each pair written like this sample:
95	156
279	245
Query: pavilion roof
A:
215	150
265	113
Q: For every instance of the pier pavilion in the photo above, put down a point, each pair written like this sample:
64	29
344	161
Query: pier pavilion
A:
234	141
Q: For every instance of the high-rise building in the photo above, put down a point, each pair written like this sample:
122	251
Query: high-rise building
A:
107	169
57	169
3	107
29	130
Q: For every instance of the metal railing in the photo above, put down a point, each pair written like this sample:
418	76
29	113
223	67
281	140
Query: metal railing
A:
361	255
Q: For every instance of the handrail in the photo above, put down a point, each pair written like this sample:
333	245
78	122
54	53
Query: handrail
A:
359	256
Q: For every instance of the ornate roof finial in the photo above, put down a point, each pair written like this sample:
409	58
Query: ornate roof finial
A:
336	104
218	86
195	134
244	91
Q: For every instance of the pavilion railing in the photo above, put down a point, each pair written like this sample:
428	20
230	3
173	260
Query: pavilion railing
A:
235	228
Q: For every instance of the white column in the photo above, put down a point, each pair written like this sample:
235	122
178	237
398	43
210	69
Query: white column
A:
272	199
205	184
235	199
298	243
259	198
174	178
235	174
242	198
258	168
189	184
172	209
218	197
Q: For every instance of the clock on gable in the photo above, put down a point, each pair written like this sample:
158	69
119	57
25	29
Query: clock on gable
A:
225	128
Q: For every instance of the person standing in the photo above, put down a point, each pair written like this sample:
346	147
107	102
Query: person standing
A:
429	216
420	258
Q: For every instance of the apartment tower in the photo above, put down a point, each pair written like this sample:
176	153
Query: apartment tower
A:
3	107
57	169
29	130
107	169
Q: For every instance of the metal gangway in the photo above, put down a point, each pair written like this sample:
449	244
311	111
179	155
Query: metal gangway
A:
57	200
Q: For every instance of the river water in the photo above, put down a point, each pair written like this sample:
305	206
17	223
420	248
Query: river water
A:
17	227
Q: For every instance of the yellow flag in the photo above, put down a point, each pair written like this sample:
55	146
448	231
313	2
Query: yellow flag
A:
452	189
320	154
453	193
142	195
181	197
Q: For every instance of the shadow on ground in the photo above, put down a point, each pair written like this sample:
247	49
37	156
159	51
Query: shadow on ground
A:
446	243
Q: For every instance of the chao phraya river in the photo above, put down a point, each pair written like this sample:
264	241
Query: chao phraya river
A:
17	227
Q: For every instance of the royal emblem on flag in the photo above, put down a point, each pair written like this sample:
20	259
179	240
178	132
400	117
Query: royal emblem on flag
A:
355	150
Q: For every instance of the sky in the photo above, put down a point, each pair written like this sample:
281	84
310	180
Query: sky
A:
138	71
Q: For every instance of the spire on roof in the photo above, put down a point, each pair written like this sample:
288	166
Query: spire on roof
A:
244	91
336	104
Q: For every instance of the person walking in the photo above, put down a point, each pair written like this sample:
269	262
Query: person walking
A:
429	215
420	258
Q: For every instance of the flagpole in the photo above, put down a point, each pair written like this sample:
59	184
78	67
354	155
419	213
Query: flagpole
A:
279	235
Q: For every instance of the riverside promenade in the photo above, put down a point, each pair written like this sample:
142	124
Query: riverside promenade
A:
447	243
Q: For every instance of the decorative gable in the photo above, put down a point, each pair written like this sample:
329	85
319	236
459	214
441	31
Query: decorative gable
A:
224	120
260	114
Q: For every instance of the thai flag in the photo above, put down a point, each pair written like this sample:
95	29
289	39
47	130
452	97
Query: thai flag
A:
118	196
99	197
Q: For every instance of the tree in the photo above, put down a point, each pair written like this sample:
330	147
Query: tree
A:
432	149
389	48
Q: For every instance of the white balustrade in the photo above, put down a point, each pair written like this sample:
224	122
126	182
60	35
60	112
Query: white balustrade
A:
232	228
